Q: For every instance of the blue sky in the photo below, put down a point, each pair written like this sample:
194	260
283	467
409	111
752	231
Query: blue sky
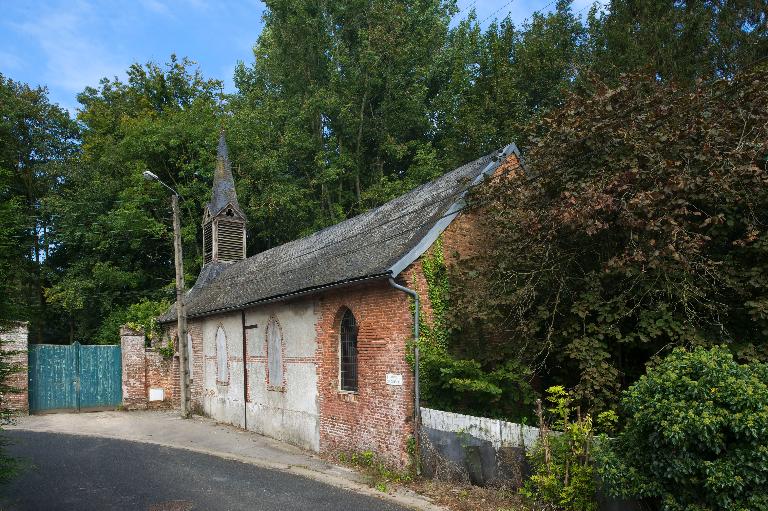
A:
70	44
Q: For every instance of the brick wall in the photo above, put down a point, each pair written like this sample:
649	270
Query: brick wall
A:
464	239
378	417
164	374
144	369
15	339
134	374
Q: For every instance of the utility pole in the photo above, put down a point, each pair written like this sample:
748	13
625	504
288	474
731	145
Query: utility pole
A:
181	309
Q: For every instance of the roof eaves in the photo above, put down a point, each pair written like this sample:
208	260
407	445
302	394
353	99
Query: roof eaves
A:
282	297
453	211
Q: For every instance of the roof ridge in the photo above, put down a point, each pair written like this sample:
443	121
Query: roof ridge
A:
369	212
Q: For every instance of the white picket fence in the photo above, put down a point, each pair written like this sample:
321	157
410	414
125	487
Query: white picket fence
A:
499	433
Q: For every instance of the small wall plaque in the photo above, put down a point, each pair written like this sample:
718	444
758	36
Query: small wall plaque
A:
394	379
156	394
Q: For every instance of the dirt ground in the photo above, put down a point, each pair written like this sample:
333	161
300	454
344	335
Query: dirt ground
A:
469	498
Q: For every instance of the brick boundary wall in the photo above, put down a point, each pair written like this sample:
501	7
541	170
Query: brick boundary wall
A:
16	339
144	369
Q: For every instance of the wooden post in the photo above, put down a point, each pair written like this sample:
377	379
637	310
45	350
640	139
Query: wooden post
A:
181	311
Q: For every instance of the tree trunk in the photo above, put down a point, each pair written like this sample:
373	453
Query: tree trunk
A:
359	141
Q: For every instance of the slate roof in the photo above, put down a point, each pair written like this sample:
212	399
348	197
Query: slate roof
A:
223	183
376	244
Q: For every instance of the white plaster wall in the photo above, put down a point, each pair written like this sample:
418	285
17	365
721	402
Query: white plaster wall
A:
289	414
297	321
224	401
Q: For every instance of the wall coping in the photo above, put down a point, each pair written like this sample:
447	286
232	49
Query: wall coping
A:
125	330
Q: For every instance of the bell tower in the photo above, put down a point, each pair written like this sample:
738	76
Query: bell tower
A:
223	220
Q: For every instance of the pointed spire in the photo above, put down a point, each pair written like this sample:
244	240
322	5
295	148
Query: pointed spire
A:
223	151
223	181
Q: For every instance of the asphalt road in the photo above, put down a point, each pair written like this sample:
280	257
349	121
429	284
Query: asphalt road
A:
67	472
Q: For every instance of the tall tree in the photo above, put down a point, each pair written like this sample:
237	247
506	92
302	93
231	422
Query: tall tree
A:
644	229
492	83
113	230
332	116
36	138
678	40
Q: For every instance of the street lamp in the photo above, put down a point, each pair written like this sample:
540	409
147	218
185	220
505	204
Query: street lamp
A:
181	310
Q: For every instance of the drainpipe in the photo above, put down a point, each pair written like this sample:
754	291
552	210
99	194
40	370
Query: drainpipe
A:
416	397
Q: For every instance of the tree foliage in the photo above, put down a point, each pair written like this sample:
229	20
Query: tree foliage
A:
332	117
36	139
345	105
641	226
696	434
114	230
681	41
564	475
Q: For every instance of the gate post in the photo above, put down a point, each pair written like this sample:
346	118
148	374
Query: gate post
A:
134	368
14	340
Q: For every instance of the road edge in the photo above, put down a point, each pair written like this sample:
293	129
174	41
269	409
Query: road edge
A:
399	495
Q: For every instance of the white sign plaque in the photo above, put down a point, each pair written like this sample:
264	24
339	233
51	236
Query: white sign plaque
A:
394	379
156	394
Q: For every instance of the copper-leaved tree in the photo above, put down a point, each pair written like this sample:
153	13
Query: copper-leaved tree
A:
642	225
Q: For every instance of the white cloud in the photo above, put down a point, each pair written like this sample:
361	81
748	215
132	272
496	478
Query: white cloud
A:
73	59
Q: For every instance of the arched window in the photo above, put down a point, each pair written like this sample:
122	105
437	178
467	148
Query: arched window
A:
190	356
222	368
275	353
348	352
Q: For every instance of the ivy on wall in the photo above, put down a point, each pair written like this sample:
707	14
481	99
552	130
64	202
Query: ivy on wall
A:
454	383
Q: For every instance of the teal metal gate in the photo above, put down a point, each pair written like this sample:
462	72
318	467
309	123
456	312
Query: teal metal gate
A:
74	377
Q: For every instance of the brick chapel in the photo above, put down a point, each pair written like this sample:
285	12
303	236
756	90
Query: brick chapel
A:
307	342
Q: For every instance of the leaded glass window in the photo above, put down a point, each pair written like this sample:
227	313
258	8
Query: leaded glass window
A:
348	352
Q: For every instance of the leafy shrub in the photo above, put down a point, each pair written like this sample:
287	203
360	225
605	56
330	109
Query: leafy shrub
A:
140	316
696	435
464	386
563	470
458	382
168	350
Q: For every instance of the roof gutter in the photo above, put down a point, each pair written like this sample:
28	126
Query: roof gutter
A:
416	390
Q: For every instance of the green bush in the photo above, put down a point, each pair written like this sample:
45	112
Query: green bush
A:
696	434
465	386
140	316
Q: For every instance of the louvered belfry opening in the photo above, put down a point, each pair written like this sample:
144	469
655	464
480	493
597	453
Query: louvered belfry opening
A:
207	243
348	355
230	237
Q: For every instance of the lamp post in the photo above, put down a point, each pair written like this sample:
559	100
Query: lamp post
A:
181	310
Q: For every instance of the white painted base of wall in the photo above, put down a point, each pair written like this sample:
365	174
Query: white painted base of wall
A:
499	433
